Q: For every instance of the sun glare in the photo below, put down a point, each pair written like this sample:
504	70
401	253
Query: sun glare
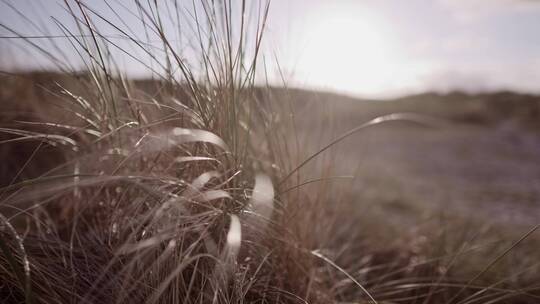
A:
349	53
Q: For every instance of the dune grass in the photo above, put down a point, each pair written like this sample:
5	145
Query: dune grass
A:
189	188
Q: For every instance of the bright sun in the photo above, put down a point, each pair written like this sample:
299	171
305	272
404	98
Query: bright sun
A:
349	53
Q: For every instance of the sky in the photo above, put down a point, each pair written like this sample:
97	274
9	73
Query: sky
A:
369	48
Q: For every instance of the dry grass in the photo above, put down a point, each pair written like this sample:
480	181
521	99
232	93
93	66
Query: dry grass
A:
192	187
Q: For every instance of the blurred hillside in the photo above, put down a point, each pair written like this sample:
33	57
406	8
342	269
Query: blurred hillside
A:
488	109
481	162
23	92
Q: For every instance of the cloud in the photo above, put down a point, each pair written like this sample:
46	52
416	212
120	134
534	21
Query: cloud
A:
492	5
470	10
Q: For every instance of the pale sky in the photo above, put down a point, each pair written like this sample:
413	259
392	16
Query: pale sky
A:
373	48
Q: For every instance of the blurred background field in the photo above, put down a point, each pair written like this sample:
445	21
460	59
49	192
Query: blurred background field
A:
478	161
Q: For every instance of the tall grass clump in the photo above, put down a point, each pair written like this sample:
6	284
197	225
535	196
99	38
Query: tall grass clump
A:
164	191
183	187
